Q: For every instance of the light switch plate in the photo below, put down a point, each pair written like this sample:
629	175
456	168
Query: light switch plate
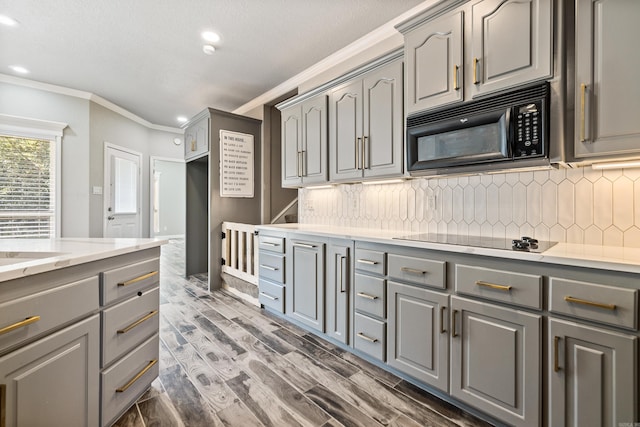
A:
97	190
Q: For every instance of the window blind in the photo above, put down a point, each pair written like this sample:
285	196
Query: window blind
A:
27	188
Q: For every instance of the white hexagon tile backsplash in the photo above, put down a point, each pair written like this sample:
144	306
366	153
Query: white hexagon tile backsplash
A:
566	205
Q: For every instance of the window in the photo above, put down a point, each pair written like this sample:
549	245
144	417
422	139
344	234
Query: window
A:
29	177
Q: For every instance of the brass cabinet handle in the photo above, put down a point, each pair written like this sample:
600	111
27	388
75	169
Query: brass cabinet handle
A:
193	145
367	296
412	270
304	245
442	310
268	267
475	71
493	285
454	333
268	296
455	77
591	303
270	244
137	377
20	324
364	337
556	366
367	261
583	94
138	279
137	322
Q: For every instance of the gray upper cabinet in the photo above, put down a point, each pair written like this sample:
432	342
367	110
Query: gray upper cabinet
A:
338	287
434	60
496	360
366	125
305	282
196	139
510	43
607	100
590	384
304	143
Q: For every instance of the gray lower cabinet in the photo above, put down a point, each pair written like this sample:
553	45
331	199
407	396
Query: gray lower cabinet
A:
54	380
496	360
417	336
592	382
338	288
305	281
271	271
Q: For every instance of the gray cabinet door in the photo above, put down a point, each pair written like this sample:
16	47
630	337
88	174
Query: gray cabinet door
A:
291	146
383	121
434	63
305	282
338	287
592	376
196	139
496	360
417	336
510	43
53	381
314	140
345	132
607	85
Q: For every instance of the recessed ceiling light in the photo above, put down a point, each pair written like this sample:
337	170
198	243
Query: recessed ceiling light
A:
182	119
8	21
19	69
210	36
208	49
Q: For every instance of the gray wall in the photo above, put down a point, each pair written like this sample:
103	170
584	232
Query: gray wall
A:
171	198
82	162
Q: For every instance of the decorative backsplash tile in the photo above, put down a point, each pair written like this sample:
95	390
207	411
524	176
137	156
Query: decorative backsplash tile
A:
566	205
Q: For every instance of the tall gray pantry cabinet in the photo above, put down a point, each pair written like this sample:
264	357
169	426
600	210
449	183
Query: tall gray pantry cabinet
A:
206	209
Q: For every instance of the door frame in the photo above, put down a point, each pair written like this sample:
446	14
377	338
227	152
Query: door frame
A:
106	174
152	159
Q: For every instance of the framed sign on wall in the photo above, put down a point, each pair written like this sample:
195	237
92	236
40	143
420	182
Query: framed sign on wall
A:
236	164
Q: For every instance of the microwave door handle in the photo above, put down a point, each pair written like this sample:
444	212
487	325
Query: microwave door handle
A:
507	135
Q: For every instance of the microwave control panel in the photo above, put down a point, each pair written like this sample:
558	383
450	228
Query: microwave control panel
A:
528	130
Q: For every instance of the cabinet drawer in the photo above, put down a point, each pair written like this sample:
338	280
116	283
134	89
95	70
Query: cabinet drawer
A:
499	285
370	295
271	295
128	280
420	271
125	381
600	303
269	243
271	267
29	316
127	324
371	261
370	336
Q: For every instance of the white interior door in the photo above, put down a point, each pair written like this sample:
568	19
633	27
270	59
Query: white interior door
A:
122	192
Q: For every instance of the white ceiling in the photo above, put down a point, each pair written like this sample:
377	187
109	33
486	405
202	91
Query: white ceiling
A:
146	55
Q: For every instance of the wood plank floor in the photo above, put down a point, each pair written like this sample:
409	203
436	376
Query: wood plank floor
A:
226	363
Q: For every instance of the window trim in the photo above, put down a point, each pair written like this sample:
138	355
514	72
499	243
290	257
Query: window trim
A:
24	127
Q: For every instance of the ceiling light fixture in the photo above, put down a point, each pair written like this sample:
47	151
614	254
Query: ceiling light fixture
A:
8	21
19	69
182	119
210	36
208	49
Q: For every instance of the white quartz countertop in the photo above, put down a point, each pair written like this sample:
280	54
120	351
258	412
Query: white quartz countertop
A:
24	257
617	258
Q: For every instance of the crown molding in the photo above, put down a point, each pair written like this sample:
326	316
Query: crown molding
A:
19	81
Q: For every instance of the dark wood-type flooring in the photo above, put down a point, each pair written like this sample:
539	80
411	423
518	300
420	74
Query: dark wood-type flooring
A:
224	362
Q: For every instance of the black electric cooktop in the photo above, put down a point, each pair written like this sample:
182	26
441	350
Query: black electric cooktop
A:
522	244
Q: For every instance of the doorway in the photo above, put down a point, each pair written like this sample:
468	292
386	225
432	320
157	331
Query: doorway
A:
167	197
122	192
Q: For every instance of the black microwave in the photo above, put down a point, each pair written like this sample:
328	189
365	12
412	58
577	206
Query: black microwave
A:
502	131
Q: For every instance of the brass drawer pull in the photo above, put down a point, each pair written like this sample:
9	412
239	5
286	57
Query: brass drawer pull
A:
304	245
268	267
137	377
268	296
138	279
493	285
591	303
367	296
270	244
137	322
367	261
556	366
366	338
20	324
412	270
